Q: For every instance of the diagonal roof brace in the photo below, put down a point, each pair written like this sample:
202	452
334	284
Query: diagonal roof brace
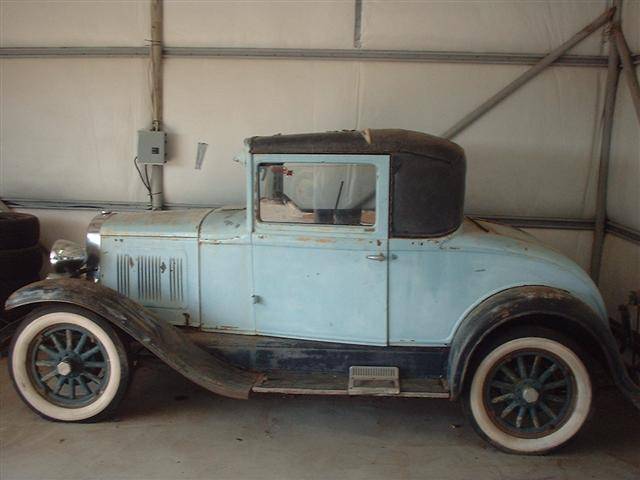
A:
529	74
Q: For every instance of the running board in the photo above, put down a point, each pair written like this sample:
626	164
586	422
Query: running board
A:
312	383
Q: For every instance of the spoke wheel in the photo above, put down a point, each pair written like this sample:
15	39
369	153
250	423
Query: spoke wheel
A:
69	364
529	394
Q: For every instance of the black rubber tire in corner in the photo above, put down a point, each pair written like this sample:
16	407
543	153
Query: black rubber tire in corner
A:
528	391
106	372
18	230
21	263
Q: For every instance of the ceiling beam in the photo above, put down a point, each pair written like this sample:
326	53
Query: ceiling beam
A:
419	56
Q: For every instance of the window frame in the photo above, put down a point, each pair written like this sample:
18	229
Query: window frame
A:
379	228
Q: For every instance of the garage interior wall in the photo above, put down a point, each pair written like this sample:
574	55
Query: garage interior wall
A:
68	125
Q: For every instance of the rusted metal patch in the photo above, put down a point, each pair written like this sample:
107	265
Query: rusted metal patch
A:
317	240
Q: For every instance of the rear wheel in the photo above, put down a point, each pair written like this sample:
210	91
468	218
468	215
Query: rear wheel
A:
530	393
69	364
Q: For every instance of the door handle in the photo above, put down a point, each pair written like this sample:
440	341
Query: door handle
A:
378	258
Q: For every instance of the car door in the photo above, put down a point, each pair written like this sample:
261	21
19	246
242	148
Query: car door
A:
320	246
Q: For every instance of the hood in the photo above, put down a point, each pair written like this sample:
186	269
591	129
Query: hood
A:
171	223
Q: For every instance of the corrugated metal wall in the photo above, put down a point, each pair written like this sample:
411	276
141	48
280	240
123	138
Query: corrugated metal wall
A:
68	125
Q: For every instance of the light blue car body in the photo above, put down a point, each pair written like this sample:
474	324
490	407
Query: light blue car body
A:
223	270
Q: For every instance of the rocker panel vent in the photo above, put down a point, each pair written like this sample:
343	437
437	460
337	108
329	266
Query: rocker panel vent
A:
369	380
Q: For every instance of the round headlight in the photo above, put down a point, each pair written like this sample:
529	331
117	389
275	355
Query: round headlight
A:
67	256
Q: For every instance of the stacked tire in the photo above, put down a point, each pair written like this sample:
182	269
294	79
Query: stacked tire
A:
20	254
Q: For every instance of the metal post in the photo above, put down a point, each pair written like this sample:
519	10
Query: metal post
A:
357	25
157	197
529	74
628	68
611	88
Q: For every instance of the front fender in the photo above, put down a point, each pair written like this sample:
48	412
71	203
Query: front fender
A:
164	340
517	303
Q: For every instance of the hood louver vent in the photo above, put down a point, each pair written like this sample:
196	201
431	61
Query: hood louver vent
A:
153	280
176	290
124	264
149	278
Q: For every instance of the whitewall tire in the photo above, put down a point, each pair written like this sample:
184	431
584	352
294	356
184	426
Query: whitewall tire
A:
530	395
69	364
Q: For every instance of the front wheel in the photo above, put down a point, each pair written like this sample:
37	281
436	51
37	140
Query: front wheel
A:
530	394
69	364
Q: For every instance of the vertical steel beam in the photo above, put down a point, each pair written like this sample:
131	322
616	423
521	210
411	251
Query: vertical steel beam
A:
628	68
529	74
611	89
357	25
157	197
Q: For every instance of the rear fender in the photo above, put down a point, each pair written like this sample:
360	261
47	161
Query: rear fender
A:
515	306
164	340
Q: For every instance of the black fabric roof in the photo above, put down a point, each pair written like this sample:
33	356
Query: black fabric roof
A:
386	141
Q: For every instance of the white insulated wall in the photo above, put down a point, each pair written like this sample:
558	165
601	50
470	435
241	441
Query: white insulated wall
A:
68	125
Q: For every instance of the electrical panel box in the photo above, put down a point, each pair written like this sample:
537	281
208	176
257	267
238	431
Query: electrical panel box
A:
151	147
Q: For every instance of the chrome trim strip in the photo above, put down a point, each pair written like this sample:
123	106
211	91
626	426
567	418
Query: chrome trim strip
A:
93	239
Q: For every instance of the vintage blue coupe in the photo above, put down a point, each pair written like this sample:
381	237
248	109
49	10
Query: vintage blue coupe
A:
351	271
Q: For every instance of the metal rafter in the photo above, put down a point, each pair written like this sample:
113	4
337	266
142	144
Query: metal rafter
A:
628	68
550	58
418	56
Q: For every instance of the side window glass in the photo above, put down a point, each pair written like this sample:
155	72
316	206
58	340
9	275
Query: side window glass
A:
326	194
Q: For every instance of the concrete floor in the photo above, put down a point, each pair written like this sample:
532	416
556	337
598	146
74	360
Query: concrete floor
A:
170	428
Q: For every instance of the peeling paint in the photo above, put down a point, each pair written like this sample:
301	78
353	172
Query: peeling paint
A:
316	240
